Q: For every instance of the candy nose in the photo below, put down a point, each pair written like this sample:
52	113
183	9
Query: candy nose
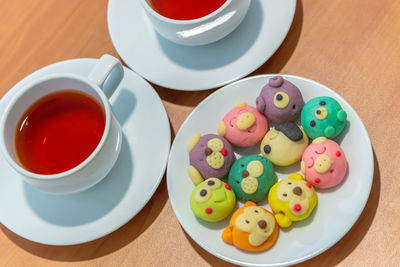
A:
297	191
262	224
322	163
245	120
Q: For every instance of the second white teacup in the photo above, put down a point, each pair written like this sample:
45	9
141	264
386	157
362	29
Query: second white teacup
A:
203	30
100	161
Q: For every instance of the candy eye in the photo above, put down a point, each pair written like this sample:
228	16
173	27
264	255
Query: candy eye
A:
202	195
321	113
213	183
281	100
267	149
312	123
322	103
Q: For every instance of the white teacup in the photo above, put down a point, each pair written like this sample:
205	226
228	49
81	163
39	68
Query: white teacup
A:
201	31
95	167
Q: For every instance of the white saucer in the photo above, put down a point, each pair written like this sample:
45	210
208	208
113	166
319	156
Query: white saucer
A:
203	67
82	217
337	210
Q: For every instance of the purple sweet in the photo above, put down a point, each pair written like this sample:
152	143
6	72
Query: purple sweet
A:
210	155
280	100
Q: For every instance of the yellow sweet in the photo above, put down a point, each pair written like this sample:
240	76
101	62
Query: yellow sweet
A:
281	150
292	199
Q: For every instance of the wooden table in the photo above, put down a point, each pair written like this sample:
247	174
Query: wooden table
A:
352	47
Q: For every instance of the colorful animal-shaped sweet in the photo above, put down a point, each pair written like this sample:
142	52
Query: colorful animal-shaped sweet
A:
324	163
243	125
212	200
323	116
292	199
251	177
251	228
210	155
280	100
284	144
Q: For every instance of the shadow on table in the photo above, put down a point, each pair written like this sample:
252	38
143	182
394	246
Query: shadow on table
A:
105	245
350	241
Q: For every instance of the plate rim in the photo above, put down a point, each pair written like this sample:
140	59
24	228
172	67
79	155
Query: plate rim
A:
328	244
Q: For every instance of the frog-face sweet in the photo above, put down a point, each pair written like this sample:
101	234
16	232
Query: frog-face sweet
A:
292	199
251	228
324	163
251	177
212	200
323	116
284	144
280	100
210	155
243	125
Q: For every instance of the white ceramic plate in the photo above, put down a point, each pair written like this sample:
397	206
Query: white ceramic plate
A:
202	67
82	217
337	210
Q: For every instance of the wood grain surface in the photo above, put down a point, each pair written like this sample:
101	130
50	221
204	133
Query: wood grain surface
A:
352	47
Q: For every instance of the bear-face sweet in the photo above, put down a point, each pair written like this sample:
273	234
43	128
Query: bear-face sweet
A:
251	228
212	200
324	163
284	144
280	100
292	199
323	116
243	125
210	155
251	177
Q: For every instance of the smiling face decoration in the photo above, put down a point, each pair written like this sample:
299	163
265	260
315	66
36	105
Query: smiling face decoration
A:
251	228
280	100
324	163
212	200
284	144
251	177
292	199
210	155
323	117
243	125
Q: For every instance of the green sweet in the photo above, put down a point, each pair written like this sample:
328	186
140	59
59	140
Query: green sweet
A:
323	116
242	174
212	200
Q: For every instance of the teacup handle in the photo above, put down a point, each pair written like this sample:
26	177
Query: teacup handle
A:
102	71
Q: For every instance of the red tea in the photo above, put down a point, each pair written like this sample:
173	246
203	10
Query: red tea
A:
185	9
58	132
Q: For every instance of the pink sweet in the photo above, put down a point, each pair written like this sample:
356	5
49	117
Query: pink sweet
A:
241	128
324	163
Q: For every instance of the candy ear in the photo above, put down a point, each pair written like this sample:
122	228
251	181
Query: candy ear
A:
221	128
193	141
341	115
195	175
227	235
329	131
260	104
249	204
240	104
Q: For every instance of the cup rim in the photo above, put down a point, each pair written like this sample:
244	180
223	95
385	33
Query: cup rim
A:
149	9
13	101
